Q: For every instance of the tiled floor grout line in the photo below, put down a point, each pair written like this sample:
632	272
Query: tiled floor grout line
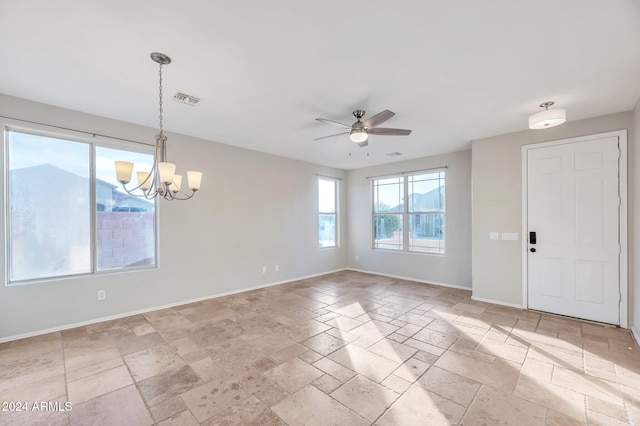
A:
412	383
466	409
583	372
380	383
64	366
475	395
394	402
462	337
264	405
137	383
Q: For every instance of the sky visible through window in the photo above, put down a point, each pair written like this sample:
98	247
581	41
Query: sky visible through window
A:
388	194
327	196
38	150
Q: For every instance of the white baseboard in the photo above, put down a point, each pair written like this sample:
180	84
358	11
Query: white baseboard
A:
410	279
156	308
498	302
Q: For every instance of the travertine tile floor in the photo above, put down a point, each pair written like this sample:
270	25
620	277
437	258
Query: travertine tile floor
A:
341	349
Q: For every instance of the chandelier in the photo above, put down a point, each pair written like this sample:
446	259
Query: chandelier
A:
162	179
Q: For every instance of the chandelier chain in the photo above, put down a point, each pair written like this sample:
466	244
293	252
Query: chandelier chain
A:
160	98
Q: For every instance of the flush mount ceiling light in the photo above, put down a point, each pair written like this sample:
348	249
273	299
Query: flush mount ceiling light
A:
548	117
161	180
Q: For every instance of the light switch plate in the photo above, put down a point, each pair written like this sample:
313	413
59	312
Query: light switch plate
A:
510	236
494	236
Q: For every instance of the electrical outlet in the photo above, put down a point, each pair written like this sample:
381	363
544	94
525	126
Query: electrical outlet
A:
264	269
357	257
493	236
102	294
277	268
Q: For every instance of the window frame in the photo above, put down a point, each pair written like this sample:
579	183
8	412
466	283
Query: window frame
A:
400	214
405	214
442	211
336	195
93	141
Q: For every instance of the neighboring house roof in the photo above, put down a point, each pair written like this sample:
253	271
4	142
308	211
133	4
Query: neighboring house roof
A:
122	200
428	201
107	194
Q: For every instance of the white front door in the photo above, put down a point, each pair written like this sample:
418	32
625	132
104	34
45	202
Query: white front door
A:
573	208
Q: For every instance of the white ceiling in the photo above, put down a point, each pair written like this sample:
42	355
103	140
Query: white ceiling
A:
452	71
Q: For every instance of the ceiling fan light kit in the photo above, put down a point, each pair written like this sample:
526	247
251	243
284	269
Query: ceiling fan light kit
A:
547	118
358	135
360	130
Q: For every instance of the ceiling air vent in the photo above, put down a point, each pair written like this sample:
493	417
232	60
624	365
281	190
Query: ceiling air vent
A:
394	154
183	98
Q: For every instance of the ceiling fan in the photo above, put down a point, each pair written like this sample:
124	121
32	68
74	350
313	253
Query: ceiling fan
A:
360	130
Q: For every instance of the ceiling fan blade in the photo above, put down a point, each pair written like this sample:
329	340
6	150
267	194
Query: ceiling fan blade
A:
330	136
334	123
379	118
365	143
389	132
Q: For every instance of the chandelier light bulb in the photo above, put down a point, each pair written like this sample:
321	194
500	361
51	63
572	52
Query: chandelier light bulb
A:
167	172
194	179
123	171
144	180
177	182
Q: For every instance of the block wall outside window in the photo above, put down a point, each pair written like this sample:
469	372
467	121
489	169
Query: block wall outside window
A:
123	239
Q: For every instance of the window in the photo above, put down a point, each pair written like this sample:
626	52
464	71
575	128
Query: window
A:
388	213
327	212
416	225
426	212
63	201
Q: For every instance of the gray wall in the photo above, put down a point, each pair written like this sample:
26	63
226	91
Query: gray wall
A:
454	268
258	210
634	219
497	201
254	209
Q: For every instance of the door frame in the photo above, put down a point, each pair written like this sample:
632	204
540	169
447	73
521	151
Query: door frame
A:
622	215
